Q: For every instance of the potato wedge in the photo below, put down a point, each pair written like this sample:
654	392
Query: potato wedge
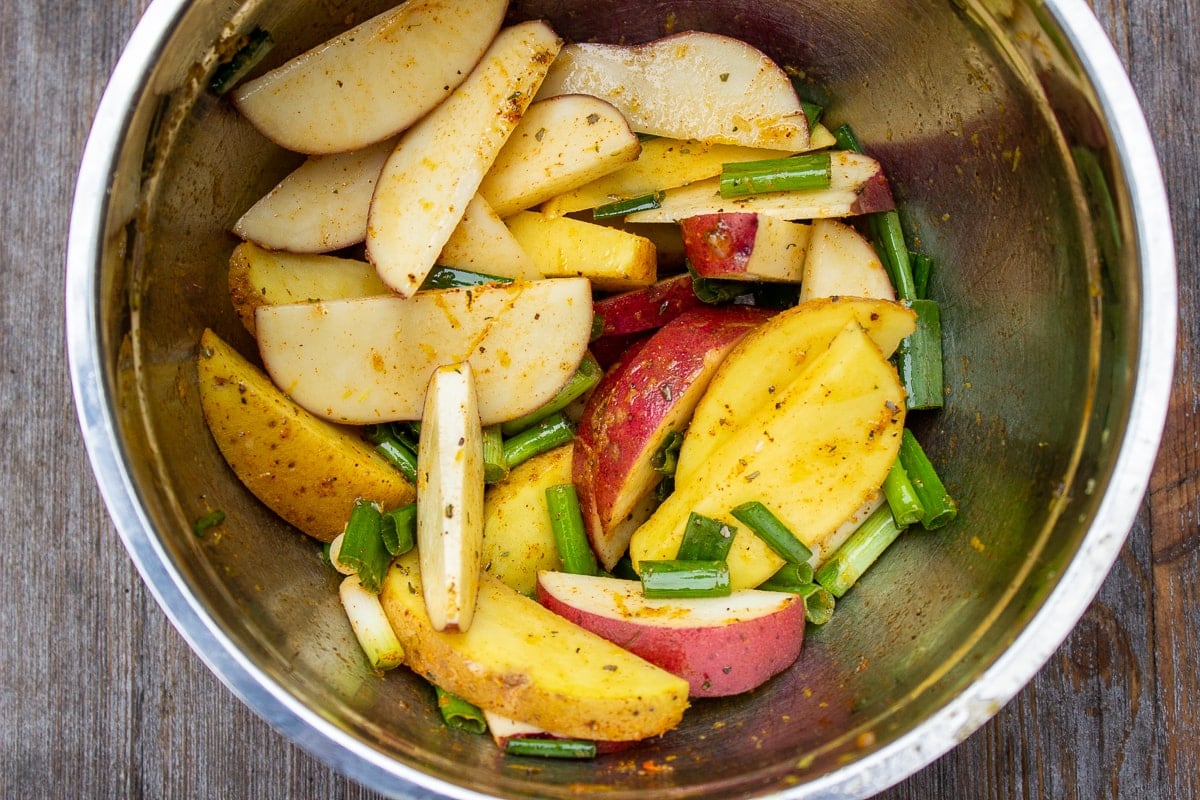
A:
267	277
857	186
483	243
663	164
688	86
517	537
841	263
612	259
560	143
450	497
305	469
814	455
524	661
771	357
319	207
739	246
369	359
439	163
374	80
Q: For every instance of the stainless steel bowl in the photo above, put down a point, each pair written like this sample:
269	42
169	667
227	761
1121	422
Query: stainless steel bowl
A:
1016	147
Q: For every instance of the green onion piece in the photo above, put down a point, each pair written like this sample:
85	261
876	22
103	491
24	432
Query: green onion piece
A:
363	549
771	530
586	376
676	579
901	497
620	208
893	251
789	578
922	268
705	539
458	713
624	569
207	522
847	139
409	433
812	112
597	327
919	358
818	603
495	468
859	552
566	520
258	44
795	173
388	445
940	507
442	277
400	529
546	435
326	557
666	457
550	748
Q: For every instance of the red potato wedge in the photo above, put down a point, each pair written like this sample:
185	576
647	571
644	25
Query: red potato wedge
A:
609	350
740	246
560	143
857	186
440	161
319	207
841	263
720	645
368	359
688	86
634	407
646	309
374	80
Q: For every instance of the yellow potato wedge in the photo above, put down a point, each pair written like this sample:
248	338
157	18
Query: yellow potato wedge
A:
523	661
771	357
305	469
517	537
268	277
814	455
612	259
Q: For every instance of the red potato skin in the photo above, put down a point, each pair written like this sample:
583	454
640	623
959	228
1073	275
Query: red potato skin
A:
875	196
646	309
640	399
716	661
720	245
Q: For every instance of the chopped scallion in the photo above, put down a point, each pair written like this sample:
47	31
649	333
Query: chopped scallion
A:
677	579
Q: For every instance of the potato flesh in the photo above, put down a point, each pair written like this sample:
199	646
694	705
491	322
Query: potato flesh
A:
440	161
368	360
319	207
560	143
374	80
857	186
483	243
267	277
772	357
688	86
525	662
450	498
517	537
306	470
612	259
841	263
813	455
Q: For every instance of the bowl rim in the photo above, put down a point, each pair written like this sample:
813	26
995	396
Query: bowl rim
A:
875	771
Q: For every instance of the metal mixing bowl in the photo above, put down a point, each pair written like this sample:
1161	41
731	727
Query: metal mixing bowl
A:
1015	146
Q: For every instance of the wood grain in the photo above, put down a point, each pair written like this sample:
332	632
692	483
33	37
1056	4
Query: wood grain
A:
101	698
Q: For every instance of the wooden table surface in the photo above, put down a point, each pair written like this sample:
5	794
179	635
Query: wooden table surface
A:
100	697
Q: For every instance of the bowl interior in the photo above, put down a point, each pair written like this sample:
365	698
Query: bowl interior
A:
982	125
